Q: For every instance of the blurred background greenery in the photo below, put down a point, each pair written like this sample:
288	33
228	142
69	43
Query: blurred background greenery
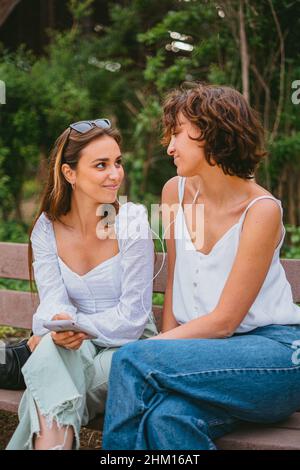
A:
63	61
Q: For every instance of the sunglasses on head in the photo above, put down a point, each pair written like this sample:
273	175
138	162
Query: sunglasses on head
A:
84	126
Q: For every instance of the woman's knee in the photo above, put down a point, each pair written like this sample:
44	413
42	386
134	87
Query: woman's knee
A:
129	354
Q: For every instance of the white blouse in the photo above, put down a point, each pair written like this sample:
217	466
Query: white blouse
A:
115	297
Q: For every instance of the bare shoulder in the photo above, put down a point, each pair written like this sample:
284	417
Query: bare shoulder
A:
265	206
170	191
265	210
263	224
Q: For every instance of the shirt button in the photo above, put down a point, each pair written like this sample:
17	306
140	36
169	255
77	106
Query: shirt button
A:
195	284
197	271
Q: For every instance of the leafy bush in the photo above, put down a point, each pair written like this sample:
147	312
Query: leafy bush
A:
291	248
13	231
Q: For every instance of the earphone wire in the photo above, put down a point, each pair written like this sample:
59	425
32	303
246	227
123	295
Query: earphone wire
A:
150	315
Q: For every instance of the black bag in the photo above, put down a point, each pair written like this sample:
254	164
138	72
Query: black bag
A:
15	356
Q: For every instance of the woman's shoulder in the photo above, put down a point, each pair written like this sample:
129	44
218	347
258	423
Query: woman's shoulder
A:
170	190
42	225
267	201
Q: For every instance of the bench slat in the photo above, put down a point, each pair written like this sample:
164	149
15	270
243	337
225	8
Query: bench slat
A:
160	281
293	422
10	399
17	308
292	271
258	437
13	261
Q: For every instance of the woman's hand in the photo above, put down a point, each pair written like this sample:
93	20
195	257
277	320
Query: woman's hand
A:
67	339
33	342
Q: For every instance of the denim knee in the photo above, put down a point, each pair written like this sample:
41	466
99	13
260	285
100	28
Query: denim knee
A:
131	351
164	429
123	357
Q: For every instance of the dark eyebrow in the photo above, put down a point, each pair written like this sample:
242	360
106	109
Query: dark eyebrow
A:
105	159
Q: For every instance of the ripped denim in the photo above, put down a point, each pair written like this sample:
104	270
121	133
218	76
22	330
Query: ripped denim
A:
69	387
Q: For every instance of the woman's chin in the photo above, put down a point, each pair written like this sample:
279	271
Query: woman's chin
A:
107	199
182	172
185	172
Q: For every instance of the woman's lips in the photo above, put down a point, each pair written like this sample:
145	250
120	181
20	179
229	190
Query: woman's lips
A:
112	188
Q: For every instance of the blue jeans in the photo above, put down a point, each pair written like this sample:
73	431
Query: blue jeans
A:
184	394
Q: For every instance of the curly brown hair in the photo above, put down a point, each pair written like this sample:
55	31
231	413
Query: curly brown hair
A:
231	129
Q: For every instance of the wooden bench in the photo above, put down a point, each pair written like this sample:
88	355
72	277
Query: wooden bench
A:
16	310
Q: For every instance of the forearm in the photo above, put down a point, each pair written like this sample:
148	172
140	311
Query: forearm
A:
207	326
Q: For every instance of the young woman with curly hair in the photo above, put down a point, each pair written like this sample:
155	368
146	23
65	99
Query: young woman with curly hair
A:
225	353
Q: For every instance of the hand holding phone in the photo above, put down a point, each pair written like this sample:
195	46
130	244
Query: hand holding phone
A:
69	325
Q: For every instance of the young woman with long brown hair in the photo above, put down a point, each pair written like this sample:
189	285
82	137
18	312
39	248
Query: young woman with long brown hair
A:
93	263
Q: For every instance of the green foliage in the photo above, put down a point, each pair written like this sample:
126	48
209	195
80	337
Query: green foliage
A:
12	231
285	151
15	284
158	299
9	332
31	187
291	248
123	71
80	9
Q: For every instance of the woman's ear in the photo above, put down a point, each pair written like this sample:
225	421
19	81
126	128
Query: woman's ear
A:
68	173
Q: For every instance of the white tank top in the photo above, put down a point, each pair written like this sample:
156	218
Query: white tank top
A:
200	278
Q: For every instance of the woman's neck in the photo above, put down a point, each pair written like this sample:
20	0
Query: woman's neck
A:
83	217
219	189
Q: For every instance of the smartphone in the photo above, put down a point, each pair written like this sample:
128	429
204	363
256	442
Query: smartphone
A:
69	325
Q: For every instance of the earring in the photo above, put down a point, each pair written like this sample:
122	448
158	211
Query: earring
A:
73	186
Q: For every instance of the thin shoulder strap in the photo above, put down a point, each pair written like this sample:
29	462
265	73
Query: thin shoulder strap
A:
257	199
181	183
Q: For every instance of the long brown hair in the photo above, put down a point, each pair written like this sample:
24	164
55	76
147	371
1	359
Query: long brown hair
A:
56	198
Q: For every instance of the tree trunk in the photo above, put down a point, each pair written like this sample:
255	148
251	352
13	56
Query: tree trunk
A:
6	7
146	166
244	52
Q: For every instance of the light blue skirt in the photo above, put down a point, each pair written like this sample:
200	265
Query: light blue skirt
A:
68	386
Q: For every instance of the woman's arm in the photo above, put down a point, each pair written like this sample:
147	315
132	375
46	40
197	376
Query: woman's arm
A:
52	292
260	235
169	199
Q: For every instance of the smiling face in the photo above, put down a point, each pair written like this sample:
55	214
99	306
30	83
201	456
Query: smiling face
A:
99	172
188	154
